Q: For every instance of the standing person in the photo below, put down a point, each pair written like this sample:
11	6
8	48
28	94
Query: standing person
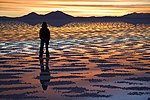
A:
44	35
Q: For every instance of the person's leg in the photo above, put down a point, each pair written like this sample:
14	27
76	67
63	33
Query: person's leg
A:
41	48
41	64
47	52
47	62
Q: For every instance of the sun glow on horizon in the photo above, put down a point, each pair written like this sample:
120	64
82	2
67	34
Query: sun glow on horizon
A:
14	8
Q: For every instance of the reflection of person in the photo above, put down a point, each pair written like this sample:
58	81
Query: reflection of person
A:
44	74
45	37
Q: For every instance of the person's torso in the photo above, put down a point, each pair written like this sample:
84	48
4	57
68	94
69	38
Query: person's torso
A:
45	34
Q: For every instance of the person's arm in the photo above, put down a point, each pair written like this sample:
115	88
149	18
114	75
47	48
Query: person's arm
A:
48	34
40	34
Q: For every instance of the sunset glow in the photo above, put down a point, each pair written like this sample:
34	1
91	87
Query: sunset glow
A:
15	8
58	50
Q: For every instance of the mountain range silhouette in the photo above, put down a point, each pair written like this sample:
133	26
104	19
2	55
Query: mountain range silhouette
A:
59	18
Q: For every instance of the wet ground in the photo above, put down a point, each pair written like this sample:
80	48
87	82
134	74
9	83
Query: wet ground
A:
88	61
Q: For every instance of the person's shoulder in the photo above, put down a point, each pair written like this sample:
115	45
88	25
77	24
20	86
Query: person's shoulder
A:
48	29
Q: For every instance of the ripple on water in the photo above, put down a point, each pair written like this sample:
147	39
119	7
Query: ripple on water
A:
86	60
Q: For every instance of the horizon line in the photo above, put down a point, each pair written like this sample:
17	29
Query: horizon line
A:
72	15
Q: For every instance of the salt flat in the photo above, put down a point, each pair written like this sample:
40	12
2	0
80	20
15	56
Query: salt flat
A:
88	61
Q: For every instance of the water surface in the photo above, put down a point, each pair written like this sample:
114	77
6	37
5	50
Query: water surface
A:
88	61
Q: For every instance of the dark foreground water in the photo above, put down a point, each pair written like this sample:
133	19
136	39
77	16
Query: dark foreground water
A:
88	61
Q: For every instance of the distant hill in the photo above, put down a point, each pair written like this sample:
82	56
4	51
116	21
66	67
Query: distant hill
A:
59	18
29	16
137	15
50	16
57	15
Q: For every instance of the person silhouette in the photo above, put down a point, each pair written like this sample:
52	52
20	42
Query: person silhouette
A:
44	74
44	35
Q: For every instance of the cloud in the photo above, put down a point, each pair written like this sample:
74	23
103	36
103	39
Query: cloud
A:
74	7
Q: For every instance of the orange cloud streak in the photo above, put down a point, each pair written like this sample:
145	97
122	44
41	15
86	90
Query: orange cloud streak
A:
74	7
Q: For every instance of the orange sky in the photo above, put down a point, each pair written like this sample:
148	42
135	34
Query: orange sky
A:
15	8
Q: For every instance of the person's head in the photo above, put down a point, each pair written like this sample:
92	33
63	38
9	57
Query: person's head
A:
44	87
44	25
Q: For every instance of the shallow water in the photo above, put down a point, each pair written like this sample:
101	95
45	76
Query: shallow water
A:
88	61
